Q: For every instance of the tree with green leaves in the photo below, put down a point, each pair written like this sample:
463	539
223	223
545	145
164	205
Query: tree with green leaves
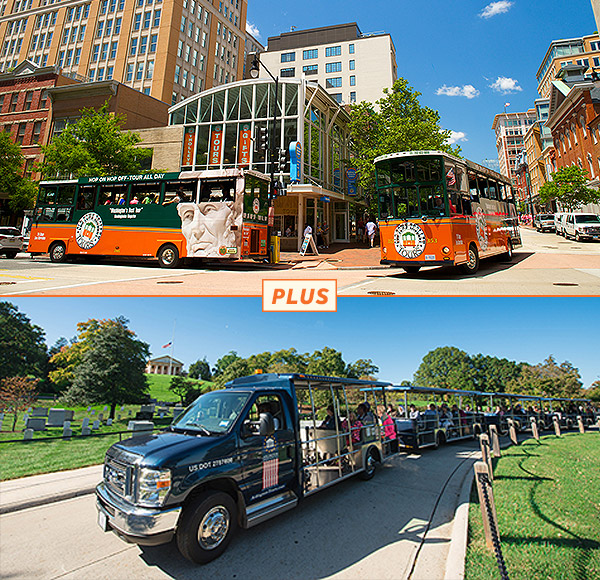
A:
550	379
494	375
363	368
593	392
112	368
17	394
445	367
23	350
568	189
223	362
200	370
21	191
396	122
182	386
327	362
94	145
238	367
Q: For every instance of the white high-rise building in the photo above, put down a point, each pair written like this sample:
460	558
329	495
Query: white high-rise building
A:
510	129
350	65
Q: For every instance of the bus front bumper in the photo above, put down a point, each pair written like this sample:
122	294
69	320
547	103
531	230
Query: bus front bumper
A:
420	263
144	526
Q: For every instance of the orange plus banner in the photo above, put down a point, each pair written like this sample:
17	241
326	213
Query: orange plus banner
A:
216	146
244	146
189	142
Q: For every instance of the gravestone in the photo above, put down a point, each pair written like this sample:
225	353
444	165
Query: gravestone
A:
28	435
39	412
86	431
147	408
105	408
36	423
67	431
139	427
118	416
162	413
129	412
85	423
101	416
25	417
89	409
1	421
56	417
123	406
92	412
109	421
1	416
96	424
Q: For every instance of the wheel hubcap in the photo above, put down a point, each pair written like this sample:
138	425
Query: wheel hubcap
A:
168	256
472	259
213	528
370	463
58	252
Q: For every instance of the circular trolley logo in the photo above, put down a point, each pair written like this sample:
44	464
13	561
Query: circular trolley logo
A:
409	240
256	205
88	230
481	228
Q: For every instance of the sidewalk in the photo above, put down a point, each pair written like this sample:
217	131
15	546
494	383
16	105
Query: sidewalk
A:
338	257
26	492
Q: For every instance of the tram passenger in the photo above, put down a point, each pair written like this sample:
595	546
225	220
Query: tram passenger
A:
413	413
364	414
389	431
355	427
446	417
330	421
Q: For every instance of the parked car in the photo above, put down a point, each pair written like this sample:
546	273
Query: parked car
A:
544	222
11	241
558	222
582	226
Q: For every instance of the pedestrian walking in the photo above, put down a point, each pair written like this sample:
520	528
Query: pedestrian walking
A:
371	228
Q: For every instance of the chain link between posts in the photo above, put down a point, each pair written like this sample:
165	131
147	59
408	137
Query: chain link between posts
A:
484	480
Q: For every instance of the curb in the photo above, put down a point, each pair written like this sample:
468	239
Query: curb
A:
36	502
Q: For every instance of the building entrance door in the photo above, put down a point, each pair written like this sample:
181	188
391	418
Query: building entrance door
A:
340	223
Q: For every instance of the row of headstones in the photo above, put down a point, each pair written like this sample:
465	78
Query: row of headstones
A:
135	426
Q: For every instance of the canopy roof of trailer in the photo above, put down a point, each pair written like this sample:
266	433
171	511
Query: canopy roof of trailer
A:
314	380
433	390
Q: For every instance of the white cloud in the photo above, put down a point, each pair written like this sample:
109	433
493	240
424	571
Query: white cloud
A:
468	91
506	85
495	8
456	136
252	29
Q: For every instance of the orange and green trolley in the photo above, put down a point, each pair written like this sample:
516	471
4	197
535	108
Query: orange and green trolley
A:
169	216
436	209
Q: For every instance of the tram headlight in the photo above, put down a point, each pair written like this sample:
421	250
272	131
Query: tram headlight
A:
446	250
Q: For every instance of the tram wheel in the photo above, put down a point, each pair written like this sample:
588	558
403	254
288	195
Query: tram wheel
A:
508	255
168	256
58	253
411	269
472	264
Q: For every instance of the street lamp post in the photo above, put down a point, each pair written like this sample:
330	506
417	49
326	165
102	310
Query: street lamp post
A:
254	72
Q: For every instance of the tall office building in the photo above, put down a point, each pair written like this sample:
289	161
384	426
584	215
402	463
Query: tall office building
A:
583	51
510	129
169	49
350	65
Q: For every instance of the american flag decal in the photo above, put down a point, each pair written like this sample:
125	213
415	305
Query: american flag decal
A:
270	463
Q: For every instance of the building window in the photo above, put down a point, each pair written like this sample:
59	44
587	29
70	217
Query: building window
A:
333	83
143	45
129	75
37	131
113	50
288	56
333	67
153	43
351	64
353	97
133	46
156	18
352	81
308	54
333	51
287	72
150	69
28	100
21	133
13	102
351	48
139	73
337	97
311	69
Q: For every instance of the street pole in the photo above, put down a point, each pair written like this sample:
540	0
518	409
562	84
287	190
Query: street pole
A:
254	71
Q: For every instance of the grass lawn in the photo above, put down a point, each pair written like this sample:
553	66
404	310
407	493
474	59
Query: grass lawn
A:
547	499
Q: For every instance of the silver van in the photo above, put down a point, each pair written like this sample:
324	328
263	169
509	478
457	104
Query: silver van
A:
582	226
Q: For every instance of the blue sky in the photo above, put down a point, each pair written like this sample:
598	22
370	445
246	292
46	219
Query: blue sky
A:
395	333
451	44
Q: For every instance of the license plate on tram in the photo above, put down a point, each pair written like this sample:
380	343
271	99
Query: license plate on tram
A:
103	521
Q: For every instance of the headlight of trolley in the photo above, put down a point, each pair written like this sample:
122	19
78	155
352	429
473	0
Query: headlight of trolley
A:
153	486
446	250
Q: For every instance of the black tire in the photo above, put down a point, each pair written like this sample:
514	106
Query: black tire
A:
58	253
473	264
411	269
508	255
370	465
577	237
213	515
168	256
11	255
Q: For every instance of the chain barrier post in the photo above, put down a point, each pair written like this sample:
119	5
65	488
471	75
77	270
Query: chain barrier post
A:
580	423
486	456
556	426
534	429
512	432
495	441
488	511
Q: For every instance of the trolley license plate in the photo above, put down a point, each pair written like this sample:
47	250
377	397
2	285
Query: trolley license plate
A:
103	521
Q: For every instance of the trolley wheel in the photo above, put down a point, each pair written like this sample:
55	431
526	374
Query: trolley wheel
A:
58	252
411	269
508	255
472	264
168	256
370	464
10	255
206	527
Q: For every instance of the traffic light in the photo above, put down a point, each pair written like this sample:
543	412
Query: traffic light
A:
282	159
261	139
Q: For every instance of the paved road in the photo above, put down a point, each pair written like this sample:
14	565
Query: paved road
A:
545	265
388	527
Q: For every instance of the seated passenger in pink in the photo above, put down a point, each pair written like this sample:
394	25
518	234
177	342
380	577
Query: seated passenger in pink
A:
356	426
389	431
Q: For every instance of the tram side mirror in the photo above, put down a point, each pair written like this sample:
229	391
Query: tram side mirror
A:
246	430
424	218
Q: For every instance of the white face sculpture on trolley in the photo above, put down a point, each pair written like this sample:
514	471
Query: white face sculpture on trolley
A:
211	226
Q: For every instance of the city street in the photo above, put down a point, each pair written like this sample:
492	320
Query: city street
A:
384	528
545	265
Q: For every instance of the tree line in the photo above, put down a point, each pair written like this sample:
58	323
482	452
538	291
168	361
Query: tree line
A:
105	363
